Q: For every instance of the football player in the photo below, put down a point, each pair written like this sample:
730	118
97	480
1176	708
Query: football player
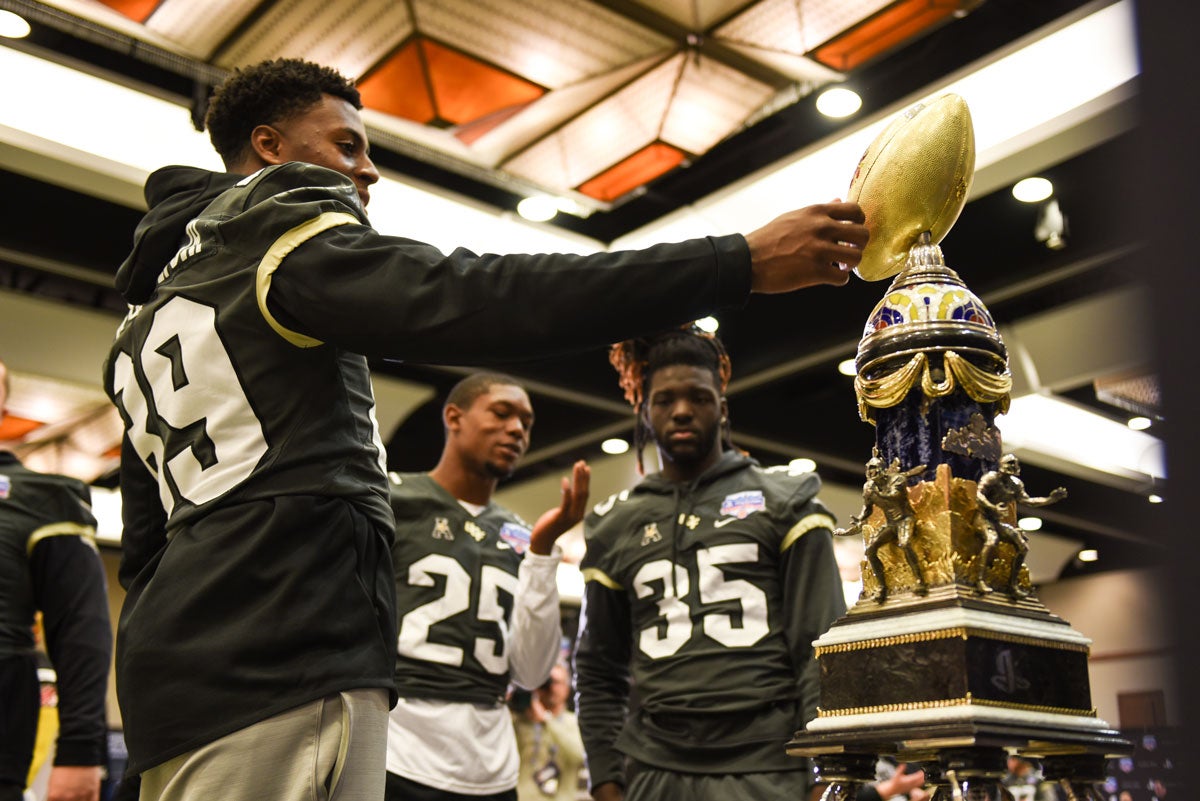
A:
477	599
706	585
259	615
49	562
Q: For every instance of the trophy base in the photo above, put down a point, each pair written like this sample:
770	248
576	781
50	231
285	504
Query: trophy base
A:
954	660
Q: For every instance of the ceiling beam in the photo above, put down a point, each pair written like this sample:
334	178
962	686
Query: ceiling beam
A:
695	40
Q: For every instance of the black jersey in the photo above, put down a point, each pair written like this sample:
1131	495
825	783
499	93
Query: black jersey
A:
456	580
257	529
257	541
707	597
48	561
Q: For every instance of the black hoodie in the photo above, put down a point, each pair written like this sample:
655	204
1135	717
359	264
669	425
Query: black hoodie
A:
255	496
704	599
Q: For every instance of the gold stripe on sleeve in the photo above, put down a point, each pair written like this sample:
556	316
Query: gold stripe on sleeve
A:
805	525
86	533
599	576
275	255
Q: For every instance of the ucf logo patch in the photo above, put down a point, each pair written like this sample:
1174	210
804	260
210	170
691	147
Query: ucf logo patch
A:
441	529
650	534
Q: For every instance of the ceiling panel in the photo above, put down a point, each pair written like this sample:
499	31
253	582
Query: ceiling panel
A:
351	37
200	29
554	43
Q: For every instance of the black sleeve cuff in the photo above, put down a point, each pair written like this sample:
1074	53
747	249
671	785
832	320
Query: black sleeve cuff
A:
81	752
733	270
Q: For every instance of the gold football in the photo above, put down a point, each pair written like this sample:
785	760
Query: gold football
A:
913	178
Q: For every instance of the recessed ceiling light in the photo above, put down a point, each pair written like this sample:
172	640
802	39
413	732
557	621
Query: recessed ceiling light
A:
1032	190
1154	498
1030	523
538	208
838	102
846	367
13	26
1139	423
1089	555
802	465
615	446
709	324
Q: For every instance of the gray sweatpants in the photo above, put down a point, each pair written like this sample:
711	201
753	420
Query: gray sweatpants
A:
332	749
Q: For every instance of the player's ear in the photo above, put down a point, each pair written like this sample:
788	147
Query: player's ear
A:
451	417
267	144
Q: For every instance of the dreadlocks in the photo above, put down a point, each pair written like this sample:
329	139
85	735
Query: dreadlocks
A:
636	361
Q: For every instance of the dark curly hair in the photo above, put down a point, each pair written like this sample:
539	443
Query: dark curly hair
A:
266	93
636	361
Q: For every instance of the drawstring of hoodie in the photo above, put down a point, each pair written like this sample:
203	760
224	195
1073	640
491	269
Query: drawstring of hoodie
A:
675	533
687	492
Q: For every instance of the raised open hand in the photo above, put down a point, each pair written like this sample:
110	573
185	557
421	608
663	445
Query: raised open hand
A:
555	522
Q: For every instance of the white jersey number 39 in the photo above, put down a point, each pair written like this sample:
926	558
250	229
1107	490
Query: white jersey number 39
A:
181	359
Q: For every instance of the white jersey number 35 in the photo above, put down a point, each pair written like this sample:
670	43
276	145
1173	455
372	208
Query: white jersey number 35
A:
658	641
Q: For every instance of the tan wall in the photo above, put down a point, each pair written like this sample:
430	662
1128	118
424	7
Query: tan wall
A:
112	560
1126	615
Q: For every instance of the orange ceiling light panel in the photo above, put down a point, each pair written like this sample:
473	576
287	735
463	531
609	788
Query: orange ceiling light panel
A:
884	31
466	89
432	84
641	168
13	427
399	86
136	10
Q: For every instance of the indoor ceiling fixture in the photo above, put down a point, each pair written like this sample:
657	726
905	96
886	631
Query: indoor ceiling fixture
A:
846	367
1051	226
538	208
1032	190
614	446
1089	555
13	26
838	102
1139	423
708	324
802	465
1030	523
1076	439
1154	498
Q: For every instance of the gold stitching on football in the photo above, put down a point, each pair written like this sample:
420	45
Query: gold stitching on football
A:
914	177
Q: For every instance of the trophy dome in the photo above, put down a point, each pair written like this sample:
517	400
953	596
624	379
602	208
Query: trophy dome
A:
928	298
929	329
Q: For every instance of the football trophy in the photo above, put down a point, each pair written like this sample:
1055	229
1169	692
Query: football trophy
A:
948	659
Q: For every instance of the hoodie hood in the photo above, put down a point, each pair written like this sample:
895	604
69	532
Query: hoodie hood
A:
176	196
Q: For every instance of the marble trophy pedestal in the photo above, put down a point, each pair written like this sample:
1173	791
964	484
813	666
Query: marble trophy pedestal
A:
953	675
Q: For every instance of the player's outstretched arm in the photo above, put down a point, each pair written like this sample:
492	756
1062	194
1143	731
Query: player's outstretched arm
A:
556	522
817	244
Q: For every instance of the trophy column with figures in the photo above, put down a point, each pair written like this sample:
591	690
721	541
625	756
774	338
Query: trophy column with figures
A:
948	659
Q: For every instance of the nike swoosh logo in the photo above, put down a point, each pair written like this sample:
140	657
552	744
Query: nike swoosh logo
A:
725	522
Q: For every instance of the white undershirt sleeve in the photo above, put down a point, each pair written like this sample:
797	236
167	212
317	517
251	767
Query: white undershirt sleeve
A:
535	635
